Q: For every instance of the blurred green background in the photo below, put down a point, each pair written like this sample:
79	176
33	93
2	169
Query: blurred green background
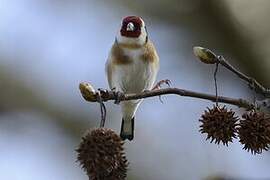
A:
48	46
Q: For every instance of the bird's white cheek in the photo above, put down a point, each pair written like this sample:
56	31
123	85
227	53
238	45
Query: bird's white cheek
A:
127	40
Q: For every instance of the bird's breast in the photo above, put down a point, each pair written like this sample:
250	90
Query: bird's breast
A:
132	71
135	77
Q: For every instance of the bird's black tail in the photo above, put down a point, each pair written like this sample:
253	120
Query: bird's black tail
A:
127	129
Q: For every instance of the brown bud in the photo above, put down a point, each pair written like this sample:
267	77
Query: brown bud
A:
88	92
254	131
219	124
102	156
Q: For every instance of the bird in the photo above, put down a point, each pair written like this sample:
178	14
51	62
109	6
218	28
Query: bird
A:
131	67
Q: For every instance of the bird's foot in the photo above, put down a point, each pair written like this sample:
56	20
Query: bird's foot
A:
103	92
160	83
118	96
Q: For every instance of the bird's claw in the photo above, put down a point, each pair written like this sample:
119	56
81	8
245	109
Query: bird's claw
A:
118	96
159	84
103	91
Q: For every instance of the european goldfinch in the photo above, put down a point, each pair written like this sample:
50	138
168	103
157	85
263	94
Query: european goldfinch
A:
131	67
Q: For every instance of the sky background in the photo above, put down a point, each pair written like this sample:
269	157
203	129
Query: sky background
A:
48	47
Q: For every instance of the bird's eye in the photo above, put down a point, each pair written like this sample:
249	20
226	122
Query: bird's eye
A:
137	26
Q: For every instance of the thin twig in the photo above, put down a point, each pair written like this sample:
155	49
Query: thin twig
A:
216	86
110	95
260	89
102	109
208	57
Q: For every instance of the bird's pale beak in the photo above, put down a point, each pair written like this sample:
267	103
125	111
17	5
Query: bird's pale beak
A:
130	26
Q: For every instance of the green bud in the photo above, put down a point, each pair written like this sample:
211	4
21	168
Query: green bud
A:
205	55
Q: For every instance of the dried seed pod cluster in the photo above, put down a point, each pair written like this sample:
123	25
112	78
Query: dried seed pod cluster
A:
220	124
101	155
254	132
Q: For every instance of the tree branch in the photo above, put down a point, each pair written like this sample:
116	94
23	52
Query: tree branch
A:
90	95
208	57
253	83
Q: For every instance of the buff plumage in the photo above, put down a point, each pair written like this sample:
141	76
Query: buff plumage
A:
131	67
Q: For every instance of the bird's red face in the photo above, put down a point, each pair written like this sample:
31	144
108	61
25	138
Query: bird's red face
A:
131	26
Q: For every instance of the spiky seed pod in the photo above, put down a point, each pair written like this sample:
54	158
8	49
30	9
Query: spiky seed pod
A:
219	124
102	156
254	131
